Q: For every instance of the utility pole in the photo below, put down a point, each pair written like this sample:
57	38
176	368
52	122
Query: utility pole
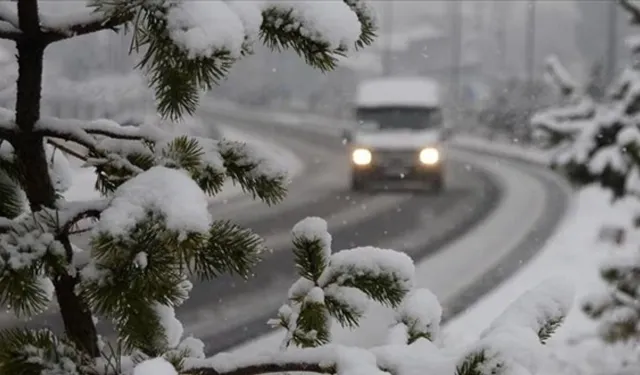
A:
455	10
612	42
478	30
500	11
530	53
387	51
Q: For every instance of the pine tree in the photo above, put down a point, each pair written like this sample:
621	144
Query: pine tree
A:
152	232
599	143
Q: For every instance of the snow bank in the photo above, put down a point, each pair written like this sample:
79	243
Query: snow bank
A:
573	254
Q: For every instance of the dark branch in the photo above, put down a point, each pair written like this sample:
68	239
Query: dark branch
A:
9	32
99	24
77	211
67	150
72	137
29	17
82	131
7	134
633	10
266	369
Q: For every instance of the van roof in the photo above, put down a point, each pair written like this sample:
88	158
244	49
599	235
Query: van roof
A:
398	91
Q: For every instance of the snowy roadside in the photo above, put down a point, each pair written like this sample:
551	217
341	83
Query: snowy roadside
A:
575	254
278	155
509	150
464	256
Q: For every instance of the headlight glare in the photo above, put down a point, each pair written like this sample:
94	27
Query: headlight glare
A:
429	156
361	156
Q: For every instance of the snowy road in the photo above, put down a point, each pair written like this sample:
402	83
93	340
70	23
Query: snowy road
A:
228	311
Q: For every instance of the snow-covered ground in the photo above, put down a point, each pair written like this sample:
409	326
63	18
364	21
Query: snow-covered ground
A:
84	178
574	253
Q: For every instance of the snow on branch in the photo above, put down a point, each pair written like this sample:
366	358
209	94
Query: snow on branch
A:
86	21
329	359
81	132
9	24
7	124
542	309
559	75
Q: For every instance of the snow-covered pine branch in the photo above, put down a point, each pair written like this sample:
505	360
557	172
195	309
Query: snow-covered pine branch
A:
195	43
558	74
186	47
9	24
120	152
557	126
604	149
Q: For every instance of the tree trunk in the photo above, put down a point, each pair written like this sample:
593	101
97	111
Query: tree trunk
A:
32	162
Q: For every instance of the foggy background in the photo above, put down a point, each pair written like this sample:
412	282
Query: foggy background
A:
475	46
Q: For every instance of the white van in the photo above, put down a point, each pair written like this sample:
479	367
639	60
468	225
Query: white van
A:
399	133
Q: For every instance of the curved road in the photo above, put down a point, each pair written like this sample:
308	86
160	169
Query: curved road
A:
228	310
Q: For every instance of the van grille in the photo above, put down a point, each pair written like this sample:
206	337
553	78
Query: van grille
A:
395	157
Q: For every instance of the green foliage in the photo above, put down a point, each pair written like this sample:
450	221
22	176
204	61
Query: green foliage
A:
125	288
326	290
229	248
207	161
617	310
22	291
475	364
243	170
187	153
310	257
179	78
112	173
11	198
549	327
345	313
24	351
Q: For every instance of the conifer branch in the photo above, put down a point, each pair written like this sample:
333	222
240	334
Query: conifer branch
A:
87	24
81	132
66	149
75	211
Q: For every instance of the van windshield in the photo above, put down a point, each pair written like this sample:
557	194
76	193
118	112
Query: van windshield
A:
392	118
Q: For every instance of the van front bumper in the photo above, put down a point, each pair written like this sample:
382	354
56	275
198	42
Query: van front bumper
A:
418	172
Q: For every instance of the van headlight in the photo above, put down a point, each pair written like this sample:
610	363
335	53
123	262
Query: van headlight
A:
429	156
361	156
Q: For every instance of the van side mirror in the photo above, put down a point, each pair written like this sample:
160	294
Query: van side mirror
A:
347	137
